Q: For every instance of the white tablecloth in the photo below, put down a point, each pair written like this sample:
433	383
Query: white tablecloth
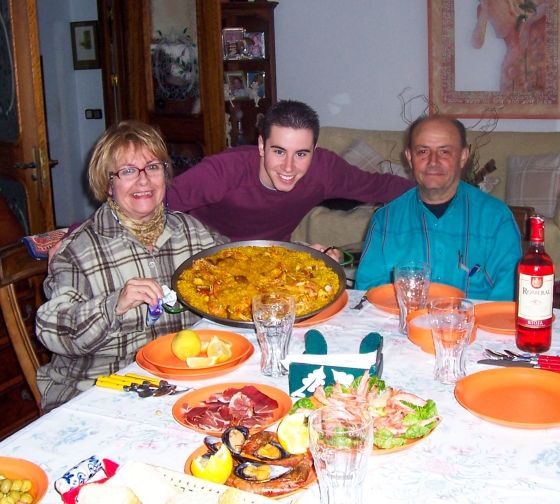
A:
465	460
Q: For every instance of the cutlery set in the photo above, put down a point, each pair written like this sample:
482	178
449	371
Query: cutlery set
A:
512	359
144	386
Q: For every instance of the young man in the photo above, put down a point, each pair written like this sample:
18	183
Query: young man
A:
469	238
264	191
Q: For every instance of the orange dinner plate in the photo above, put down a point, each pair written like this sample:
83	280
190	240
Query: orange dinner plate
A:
385	298
497	317
16	468
420	332
197	397
515	397
327	313
201	450
158	352
191	374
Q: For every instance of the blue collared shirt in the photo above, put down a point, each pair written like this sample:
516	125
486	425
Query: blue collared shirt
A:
474	246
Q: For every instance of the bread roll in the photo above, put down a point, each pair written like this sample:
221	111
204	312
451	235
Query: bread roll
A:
95	493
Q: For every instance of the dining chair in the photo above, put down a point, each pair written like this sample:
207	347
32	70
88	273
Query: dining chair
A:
521	215
21	293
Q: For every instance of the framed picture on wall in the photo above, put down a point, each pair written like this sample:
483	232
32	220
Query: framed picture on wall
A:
504	63
85	45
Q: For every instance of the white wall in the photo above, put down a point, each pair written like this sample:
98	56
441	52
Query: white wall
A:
348	59
351	59
68	93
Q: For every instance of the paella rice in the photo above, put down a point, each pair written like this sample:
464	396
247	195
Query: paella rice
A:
224	283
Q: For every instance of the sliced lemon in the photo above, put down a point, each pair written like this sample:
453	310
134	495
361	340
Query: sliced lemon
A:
186	343
216	468
219	348
293	433
200	362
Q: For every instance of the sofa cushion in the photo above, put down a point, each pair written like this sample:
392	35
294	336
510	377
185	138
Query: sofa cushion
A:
534	181
360	154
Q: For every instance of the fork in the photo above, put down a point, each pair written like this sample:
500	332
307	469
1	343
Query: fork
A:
551	362
360	304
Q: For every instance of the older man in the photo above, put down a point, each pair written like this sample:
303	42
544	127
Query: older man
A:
469	238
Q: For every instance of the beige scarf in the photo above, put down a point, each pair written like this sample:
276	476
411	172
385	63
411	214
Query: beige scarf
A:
145	232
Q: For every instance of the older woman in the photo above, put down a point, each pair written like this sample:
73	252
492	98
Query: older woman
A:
113	266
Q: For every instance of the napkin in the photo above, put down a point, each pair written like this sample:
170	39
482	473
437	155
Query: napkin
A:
169	296
364	361
316	367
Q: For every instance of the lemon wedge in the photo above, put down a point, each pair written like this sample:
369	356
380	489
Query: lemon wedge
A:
219	348
293	433
216	468
200	362
185	343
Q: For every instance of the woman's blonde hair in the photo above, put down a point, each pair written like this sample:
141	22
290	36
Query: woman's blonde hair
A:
111	145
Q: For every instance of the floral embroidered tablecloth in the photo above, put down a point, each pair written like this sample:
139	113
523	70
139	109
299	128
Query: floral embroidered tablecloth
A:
465	460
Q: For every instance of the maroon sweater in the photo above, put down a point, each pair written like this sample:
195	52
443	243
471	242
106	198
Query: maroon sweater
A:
224	192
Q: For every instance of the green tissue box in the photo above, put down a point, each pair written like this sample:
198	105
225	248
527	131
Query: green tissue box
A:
304	378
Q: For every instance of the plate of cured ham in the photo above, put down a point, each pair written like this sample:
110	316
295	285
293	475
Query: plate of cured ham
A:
213	409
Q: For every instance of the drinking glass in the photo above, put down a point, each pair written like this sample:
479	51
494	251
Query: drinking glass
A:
452	320
412	282
341	442
273	315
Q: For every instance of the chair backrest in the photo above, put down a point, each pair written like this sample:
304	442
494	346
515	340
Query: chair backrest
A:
15	195
522	214
21	293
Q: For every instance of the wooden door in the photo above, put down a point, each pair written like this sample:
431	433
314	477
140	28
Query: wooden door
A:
23	131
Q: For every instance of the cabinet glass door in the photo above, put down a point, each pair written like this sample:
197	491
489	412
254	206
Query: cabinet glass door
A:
174	54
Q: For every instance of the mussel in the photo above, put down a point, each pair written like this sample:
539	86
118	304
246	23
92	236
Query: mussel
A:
254	471
213	443
234	438
270	451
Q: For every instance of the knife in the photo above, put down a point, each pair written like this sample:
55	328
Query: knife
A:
540	364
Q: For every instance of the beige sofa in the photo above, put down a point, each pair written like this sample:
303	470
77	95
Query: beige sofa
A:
343	228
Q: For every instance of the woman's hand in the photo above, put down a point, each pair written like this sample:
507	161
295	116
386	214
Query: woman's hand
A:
137	291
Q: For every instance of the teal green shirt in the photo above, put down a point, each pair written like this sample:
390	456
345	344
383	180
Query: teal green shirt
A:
475	245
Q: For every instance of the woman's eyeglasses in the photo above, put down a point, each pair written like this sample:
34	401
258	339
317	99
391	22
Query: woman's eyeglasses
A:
152	170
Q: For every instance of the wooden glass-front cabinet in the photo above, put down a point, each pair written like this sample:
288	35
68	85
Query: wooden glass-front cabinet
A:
249	67
165	62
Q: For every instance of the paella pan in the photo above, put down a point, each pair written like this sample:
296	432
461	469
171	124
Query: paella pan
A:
219	283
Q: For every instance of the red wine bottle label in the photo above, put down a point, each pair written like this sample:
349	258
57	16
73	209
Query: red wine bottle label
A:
535	300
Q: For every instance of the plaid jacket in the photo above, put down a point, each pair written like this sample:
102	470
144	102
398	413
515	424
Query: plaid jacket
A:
78	323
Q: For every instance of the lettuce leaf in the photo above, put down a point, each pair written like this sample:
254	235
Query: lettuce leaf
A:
303	403
384	438
429	410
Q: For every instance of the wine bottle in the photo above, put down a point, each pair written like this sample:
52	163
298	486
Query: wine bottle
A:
535	280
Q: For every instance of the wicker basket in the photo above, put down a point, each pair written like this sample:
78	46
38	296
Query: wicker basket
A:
188	483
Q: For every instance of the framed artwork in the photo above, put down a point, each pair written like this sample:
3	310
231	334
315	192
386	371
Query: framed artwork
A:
256	80
232	40
237	84
501	60
85	45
